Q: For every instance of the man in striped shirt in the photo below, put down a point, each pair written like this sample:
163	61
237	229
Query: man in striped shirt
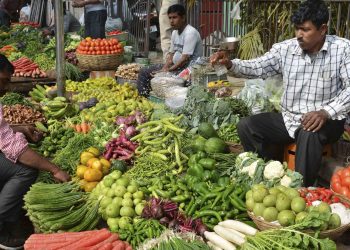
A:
316	71
19	167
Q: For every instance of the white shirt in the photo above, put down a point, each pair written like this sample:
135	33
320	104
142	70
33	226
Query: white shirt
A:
309	84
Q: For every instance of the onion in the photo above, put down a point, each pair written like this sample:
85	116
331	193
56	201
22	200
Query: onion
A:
164	221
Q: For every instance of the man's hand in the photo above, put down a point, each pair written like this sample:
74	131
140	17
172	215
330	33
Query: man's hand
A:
221	58
61	176
32	134
78	3
313	121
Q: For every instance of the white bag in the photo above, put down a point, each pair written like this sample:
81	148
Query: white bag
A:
24	14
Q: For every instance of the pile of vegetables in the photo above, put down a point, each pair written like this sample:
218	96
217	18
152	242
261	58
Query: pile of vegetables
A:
60	207
99	46
94	240
121	201
27	68
68	157
173	241
285	205
251	169
231	234
229	133
21	114
58	108
38	93
57	137
11	98
168	214
91	169
202	106
128	71
141	231
162	139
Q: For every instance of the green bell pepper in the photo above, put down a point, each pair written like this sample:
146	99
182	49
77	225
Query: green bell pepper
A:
224	181
208	163
196	170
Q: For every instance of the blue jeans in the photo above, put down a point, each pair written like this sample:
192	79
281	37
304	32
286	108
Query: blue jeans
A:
15	181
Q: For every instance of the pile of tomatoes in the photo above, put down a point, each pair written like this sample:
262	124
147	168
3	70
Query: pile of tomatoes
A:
115	32
340	182
100	46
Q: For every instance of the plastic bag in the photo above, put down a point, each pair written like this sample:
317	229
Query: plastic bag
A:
274	91
236	11
24	14
175	97
113	24
255	96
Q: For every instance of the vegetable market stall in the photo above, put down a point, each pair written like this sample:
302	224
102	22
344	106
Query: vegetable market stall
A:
147	177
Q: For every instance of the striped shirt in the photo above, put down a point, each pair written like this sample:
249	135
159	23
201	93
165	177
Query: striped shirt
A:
12	144
310	83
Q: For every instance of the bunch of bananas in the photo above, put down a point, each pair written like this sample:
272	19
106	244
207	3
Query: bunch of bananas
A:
38	93
59	108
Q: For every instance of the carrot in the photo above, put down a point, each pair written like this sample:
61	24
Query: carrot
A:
111	239
107	246
90	240
84	127
118	245
78	128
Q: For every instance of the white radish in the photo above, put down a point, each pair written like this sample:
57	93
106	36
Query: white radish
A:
213	246
236	232
219	241
229	235
239	226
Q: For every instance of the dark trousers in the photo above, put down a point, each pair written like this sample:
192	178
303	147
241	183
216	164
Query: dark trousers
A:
15	181
144	78
259	132
4	19
95	22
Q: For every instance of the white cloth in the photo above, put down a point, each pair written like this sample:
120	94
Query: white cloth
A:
309	85
189	42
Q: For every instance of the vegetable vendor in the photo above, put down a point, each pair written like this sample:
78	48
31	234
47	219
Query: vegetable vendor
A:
316	69
19	167
186	45
95	17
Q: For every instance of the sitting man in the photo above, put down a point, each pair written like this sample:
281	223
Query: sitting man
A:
186	45
316	72
19	167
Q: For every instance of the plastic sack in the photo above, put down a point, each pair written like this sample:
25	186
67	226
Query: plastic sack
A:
274	91
254	95
24	14
113	24
175	97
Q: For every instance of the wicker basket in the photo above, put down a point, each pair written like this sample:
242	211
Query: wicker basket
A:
99	62
235	147
332	233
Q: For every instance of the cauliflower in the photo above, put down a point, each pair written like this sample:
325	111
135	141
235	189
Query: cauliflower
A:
252	168
286	181
245	159
274	169
342	211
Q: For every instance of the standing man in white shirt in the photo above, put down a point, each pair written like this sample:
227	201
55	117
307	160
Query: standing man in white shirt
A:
165	27
95	17
316	99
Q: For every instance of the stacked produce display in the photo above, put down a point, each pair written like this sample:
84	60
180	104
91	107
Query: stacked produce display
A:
144	177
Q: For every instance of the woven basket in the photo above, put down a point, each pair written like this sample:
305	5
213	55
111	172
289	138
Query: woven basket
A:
161	87
99	62
333	234
235	147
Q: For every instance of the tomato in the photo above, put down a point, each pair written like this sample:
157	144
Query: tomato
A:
335	178
108	52
88	38
103	52
344	191
336	187
346	172
346	181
